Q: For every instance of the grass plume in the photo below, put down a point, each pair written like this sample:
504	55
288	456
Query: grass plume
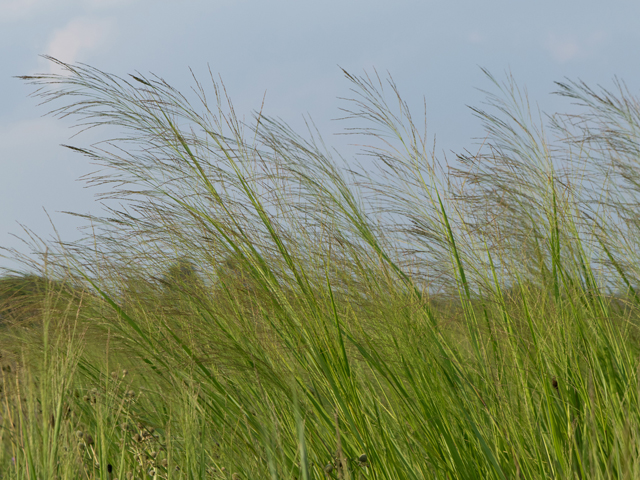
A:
260	307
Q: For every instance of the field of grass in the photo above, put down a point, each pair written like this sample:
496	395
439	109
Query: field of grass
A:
261	308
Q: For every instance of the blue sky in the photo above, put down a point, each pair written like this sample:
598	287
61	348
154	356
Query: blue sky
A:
291	50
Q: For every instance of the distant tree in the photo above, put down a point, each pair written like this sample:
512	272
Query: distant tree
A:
233	272
181	280
182	275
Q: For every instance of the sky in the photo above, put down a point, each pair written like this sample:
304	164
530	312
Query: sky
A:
289	53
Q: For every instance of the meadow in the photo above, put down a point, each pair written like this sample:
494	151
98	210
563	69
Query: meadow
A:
252	305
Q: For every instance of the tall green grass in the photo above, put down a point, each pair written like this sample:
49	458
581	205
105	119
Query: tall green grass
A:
262	308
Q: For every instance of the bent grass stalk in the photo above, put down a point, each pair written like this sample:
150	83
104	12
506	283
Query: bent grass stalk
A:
286	316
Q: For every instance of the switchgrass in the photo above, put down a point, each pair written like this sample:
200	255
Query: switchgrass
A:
261	308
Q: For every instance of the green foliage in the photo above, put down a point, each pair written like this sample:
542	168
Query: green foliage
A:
17	295
267	313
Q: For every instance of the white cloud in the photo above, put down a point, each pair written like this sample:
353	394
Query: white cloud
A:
81	35
105	3
476	37
562	49
566	48
12	10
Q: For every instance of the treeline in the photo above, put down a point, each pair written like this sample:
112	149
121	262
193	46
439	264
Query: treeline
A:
23	296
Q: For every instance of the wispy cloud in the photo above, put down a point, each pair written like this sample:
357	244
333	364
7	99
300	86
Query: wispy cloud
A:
16	10
77	38
476	37
564	48
105	3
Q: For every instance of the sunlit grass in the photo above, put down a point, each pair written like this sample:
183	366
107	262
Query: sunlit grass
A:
260	308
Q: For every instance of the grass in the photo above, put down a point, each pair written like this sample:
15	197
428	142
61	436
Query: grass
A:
259	308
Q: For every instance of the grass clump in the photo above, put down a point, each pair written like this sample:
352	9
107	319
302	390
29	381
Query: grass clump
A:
261	309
